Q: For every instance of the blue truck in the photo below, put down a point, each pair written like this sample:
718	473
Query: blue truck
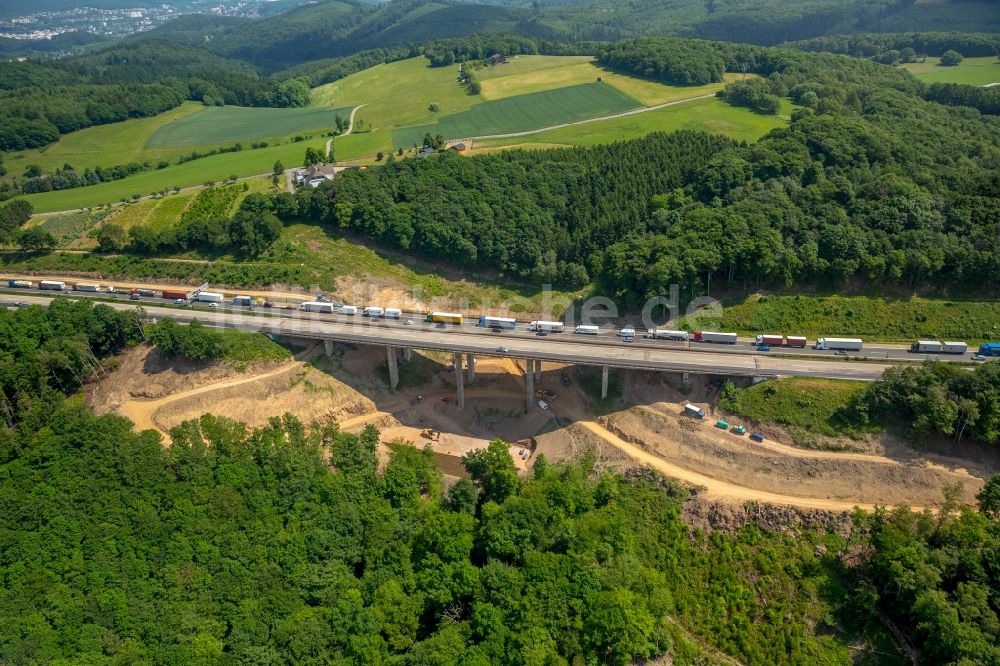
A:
990	349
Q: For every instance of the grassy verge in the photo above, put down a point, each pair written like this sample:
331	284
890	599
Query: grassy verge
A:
809	409
884	319
241	346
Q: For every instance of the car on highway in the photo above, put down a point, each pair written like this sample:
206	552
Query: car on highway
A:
442	325
213	305
840	352
541	334
496	329
408	322
628	339
978	357
502	350
179	301
763	348
135	297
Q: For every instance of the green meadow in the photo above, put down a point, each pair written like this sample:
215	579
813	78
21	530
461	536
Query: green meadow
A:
226	124
971	71
525	112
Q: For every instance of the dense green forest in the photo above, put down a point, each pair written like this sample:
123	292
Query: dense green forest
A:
873	45
343	27
868	182
292	545
938	399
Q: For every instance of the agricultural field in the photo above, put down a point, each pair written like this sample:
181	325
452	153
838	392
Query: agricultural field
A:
133	214
889	319
525	112
197	172
707	115
69	230
102	145
221	125
971	71
529	74
169	210
399	93
212	203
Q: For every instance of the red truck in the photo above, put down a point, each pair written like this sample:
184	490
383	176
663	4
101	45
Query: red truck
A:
174	293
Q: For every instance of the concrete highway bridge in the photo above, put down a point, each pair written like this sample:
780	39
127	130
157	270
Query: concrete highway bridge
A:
466	342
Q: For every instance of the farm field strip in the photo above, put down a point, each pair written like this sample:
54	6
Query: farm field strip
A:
525	113
704	114
226	124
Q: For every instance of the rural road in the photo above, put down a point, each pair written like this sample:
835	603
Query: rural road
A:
350	128
611	116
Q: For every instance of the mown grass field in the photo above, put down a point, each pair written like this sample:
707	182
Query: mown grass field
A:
399	93
528	74
707	115
102	145
901	320
217	125
804	406
524	112
189	174
971	71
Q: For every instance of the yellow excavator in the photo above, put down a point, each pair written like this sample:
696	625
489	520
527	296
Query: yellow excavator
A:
431	434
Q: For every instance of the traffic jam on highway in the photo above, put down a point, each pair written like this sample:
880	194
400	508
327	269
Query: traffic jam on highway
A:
322	305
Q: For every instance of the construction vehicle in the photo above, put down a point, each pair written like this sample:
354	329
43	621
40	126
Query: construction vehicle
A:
431	434
740	430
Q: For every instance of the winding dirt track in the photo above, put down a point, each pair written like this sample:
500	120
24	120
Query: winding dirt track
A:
143	412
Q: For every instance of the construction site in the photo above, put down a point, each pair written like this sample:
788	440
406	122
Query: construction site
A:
642	423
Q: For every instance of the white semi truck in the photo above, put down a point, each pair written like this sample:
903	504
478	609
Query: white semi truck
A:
666	334
316	306
547	326
209	297
840	344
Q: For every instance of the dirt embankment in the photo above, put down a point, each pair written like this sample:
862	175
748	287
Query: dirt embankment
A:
348	388
843	477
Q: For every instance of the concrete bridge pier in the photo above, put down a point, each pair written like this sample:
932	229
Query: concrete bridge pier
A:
391	356
529	378
459	380
328	347
538	371
604	381
407	353
472	367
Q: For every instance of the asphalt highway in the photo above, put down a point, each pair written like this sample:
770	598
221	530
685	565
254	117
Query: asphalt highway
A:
563	347
608	337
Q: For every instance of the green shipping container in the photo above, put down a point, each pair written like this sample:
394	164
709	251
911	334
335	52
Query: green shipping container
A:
722	424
